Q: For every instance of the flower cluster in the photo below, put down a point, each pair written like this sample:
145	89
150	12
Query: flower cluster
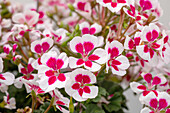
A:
84	53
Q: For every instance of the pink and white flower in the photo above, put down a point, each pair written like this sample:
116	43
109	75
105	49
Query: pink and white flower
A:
151	42
83	7
79	85
6	78
60	101
87	29
117	62
41	46
150	80
29	17
151	83
59	35
157	102
115	5
27	71
50	73
7	48
10	102
84	45
132	43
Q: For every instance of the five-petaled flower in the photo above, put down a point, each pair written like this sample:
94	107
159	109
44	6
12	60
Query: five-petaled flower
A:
90	59
50	73
117	62
79	85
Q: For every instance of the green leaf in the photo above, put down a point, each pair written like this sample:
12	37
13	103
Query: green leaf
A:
93	108
115	103
102	91
71	106
97	99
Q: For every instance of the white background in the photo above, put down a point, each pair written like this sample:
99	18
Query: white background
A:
133	102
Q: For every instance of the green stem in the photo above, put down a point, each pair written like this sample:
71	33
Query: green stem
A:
51	104
33	100
101	70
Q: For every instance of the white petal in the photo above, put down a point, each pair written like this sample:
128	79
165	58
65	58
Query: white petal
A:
77	97
74	42
9	78
72	63
64	57
93	93
162	77
83	25
115	44
46	56
164	95
134	85
90	38
148	97
126	44
68	87
1	64
100	41
18	83
141	53
34	19
95	67
120	72
97	27
153	26
33	44
145	30
18	18
102	54
48	40
125	62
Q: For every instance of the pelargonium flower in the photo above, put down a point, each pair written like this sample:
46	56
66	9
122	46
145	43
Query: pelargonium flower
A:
27	71
60	101
31	85
41	46
59	35
156	102
85	45
132	43
29	17
151	83
6	78
147	4
115	5
50	73
79	85
10	102
7	48
83	6
87	29
135	14
117	62
151	42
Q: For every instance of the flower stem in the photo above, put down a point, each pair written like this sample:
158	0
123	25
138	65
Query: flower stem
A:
33	100
51	104
121	20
